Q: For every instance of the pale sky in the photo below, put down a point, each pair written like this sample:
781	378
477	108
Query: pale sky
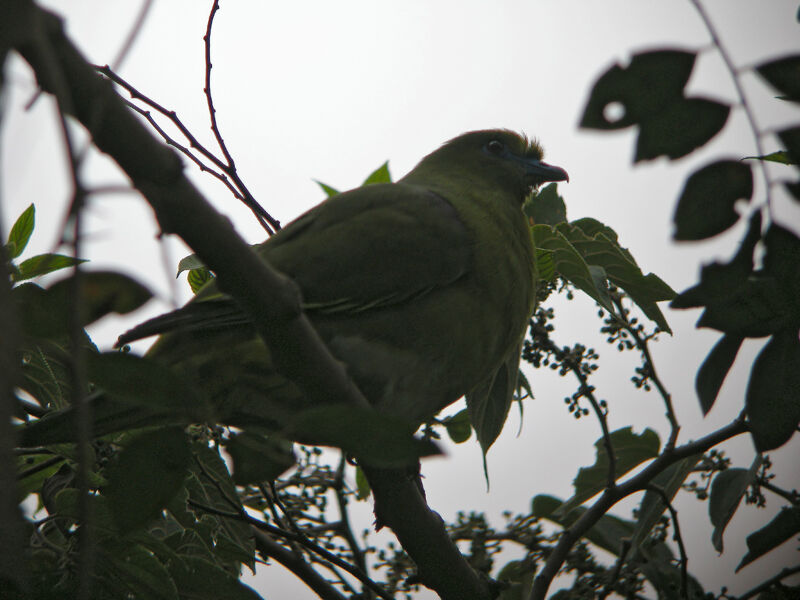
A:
329	90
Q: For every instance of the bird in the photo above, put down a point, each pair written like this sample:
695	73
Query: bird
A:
422	288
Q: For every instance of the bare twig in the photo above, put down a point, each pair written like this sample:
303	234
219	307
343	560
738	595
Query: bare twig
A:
676	536
772	581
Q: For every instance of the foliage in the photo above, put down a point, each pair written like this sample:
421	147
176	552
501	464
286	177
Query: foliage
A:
183	497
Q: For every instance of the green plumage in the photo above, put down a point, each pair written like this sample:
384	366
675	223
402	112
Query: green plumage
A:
423	288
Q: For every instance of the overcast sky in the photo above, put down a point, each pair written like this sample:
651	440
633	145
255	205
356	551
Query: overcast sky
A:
329	90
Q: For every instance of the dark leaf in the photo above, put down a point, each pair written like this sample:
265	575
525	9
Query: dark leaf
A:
190	263
784	526
130	570
41	264
726	492
21	232
329	191
784	75
782	260
772	400
458	426
706	204
630	450
489	402
148	473
779	156
379	175
791	139
681	128
715	367
546	207
653	81
257	458
202	580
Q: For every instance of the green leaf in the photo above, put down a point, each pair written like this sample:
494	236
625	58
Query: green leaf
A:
41	264
598	246
66	505
779	156
379	175
652	505
257	458
362	484
380	439
190	263
569	263
545	265
21	232
772	401
784	75
784	526
727	491
147	475
706	204
458	426
715	367
329	191
630	450
197	278
546	207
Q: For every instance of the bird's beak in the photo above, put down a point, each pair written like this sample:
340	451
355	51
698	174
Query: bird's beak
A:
537	172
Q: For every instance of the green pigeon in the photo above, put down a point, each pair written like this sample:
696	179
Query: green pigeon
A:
423	288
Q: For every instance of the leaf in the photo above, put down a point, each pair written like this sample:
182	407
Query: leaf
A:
41	264
779	156
379	439
781	259
545	265
569	263
329	191
715	367
130	570
258	458
772	401
21	232
706	204
785	525
652	81
362	484
488	403
630	450
680	129
784	75
197	278
190	263
727	491
546	207
791	139
202	580
652	506
598	246
148	473
379	175
458	426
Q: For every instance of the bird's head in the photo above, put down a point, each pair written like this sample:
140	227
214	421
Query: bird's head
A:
493	158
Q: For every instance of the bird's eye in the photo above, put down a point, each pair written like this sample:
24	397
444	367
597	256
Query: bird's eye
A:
495	147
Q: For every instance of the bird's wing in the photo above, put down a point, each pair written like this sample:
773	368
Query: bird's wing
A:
373	246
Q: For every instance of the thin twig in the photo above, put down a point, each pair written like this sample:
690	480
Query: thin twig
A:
766	585
676	536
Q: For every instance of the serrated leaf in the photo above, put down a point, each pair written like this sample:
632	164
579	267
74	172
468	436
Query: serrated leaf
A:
257	458
568	262
715	367
546	207
784	526
379	175
784	75
727	491
148	473
330	192
771	401
21	232
630	450
706	204
458	426
652	506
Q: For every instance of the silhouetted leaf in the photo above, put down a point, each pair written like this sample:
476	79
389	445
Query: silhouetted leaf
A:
203	580
458	426
21	232
772	401
784	75
784	526
715	367
781	260
149	471
630	450
706	204
130	570
727	491
681	128
546	207
791	139
648	85
257	458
